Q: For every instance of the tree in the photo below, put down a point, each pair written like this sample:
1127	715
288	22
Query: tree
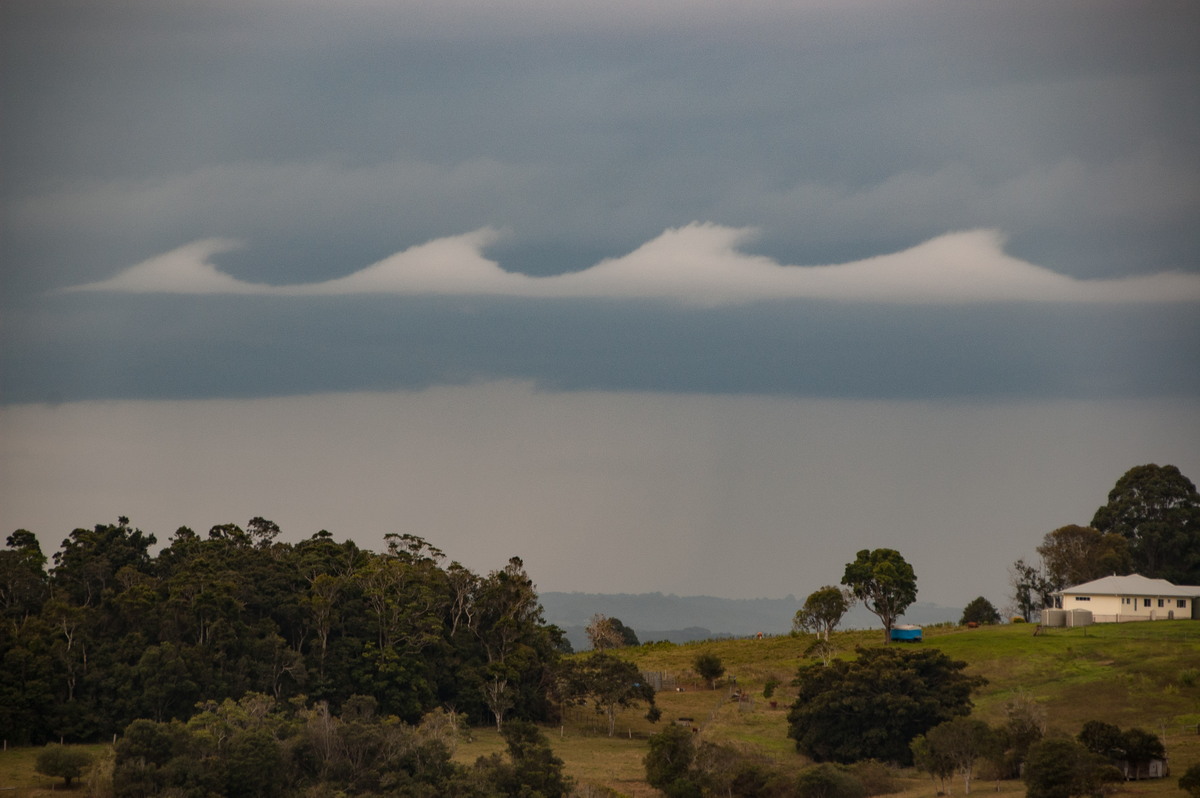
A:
1157	509
62	762
1141	747
979	611
1075	554
669	763
936	762
1189	782
604	632
710	668
1058	767
1031	589
820	615
884	582
1104	739
1024	725
823	611
961	742
534	770
610	683
873	706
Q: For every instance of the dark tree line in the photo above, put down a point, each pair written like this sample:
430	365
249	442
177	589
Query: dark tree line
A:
111	632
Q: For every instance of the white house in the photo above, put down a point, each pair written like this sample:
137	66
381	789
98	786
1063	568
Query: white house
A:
1132	598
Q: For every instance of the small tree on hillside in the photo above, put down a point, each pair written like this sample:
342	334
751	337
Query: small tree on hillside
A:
980	611
820	615
710	668
58	761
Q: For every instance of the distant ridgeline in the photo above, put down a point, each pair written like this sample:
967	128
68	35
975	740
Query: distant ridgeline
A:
680	619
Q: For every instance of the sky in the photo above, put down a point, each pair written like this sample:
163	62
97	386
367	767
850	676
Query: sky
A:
686	297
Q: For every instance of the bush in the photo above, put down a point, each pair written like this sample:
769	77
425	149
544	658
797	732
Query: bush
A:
829	781
1189	782
980	611
1016	619
62	762
710	668
875	777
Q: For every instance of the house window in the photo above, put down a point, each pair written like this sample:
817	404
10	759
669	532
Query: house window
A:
1125	600
1162	602
1181	603
1083	598
1145	602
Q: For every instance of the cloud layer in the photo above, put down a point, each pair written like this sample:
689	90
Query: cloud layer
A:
698	264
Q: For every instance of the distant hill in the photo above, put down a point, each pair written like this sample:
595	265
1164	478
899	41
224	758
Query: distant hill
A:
681	619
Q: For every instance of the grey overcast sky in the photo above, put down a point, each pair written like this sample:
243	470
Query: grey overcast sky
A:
694	297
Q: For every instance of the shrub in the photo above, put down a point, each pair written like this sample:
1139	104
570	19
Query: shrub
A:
1189	782
1016	619
62	762
710	668
829	781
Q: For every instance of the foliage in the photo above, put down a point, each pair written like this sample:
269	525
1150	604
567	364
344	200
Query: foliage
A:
1157	509
884	582
980	611
709	667
820	615
669	763
1024	725
936	762
823	611
960	743
1189	782
1032	590
609	683
259	747
113	634
1134	747
1074	554
533	769
604	632
62	762
1058	767
829	781
872	707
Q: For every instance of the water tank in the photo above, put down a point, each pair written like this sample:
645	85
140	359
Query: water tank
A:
1054	617
1079	618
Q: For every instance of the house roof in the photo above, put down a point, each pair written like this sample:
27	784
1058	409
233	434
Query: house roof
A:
1132	585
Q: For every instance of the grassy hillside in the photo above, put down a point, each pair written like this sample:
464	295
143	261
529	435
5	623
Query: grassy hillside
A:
1144	674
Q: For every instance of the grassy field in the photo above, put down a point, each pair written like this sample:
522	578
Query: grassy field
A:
1141	674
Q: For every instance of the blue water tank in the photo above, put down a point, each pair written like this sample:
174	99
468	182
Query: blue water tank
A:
906	634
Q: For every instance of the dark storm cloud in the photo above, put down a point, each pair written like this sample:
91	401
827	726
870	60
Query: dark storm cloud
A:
244	347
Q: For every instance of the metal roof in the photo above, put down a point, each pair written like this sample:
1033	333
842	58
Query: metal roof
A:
1132	585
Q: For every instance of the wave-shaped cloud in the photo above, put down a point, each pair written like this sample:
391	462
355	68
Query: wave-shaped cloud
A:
697	264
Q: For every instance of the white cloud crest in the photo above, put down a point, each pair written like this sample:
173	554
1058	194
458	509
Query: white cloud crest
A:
696	264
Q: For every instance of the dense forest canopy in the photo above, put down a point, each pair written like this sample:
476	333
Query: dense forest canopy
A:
113	632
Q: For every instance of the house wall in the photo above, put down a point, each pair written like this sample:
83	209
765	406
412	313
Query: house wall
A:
1129	608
